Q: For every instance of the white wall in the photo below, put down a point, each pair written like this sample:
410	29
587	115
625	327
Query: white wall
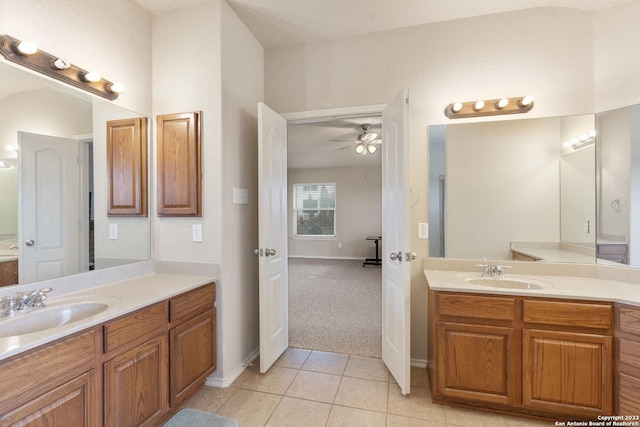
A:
242	88
358	212
187	77
616	69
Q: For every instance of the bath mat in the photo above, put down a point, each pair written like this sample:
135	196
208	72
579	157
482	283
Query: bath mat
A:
195	418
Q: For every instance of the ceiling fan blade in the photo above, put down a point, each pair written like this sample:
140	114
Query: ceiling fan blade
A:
345	147
342	140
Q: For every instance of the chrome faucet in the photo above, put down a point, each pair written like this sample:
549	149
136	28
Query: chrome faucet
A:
22	302
496	270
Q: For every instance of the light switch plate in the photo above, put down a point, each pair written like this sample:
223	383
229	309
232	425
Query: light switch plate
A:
196	230
113	231
240	196
423	230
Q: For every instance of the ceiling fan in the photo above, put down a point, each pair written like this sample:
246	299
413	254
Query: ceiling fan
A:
365	143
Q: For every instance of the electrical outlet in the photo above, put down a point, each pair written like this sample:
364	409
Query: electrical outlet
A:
339	245
196	230
423	230
113	231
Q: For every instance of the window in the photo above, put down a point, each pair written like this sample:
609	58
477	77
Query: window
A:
314	207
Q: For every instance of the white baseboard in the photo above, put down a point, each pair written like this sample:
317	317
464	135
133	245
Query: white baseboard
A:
227	380
418	363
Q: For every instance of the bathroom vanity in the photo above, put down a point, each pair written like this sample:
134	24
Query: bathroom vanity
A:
133	364
562	348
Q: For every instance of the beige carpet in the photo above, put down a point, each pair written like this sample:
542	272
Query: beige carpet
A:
335	306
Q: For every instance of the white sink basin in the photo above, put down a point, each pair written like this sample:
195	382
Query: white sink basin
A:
509	283
58	313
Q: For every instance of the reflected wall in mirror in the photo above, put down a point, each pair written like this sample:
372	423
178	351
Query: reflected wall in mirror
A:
513	189
619	186
40	119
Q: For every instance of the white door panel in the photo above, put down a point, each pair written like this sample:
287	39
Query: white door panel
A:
48	207
272	235
396	289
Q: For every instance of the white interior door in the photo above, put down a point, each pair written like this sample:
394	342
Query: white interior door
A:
396	289
48	206
272	235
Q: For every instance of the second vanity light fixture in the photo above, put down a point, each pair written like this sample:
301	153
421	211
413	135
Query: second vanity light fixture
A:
490	107
28	55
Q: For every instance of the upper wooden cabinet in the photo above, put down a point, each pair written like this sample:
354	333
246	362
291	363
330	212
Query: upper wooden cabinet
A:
179	164
127	167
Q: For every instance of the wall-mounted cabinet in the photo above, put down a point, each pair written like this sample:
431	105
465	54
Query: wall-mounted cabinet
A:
179	164
127	167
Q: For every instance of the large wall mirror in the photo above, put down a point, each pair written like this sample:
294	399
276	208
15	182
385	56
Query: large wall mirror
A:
619	185
514	189
43	122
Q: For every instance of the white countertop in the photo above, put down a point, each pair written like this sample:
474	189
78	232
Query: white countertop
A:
587	288
132	294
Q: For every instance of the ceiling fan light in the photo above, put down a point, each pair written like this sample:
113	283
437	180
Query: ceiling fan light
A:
372	148
360	148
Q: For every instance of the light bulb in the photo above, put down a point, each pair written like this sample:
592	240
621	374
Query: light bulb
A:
91	76
526	101
27	48
502	103
61	64
456	107
116	88
372	148
479	105
360	148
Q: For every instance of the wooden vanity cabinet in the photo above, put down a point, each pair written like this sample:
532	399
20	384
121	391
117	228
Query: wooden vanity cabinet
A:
8	272
535	356
568	357
477	348
53	385
135	373
135	370
628	366
192	342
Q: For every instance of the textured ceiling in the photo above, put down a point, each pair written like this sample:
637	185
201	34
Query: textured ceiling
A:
284	22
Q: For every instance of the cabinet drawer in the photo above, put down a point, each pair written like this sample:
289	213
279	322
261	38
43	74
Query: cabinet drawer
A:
629	320
582	315
133	326
477	306
192	303
629	395
28	376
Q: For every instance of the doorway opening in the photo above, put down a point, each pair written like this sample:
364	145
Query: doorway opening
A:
335	203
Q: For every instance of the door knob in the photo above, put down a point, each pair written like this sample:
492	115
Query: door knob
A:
396	256
29	242
269	252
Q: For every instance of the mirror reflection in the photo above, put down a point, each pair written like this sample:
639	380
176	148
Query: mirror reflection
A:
619	186
53	183
513	189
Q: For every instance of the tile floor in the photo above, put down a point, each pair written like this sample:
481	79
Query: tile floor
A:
314	388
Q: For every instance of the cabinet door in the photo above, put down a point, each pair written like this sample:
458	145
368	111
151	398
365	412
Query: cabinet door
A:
476	362
127	166
71	404
179	165
135	385
567	372
193	355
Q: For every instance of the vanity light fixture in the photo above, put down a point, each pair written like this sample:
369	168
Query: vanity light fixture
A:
583	140
28	55
490	107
